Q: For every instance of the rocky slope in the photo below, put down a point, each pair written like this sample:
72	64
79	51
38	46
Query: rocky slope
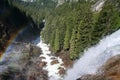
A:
24	65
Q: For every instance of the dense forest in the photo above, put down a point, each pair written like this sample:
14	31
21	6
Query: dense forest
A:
36	10
72	27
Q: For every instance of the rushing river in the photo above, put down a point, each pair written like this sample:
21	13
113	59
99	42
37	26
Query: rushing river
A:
25	37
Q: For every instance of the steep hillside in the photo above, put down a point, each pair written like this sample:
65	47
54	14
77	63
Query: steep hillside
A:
74	27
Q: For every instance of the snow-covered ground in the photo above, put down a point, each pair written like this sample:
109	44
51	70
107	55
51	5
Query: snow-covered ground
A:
53	70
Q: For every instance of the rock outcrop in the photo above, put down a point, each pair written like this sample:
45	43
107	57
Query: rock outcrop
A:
54	62
61	71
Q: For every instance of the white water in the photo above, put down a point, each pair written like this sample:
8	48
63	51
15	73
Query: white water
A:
52	69
95	57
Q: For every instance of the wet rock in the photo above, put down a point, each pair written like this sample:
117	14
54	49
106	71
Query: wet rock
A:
43	75
112	63
91	77
34	51
50	54
61	71
52	58
64	55
86	77
112	68
42	64
42	57
78	79
39	75
54	62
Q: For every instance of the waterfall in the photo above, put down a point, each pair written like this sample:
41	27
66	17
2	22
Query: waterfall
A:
94	57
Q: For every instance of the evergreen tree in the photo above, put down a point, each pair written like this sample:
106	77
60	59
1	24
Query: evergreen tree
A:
57	41
67	39
73	54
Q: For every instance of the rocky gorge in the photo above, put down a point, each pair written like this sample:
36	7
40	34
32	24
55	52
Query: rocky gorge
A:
79	41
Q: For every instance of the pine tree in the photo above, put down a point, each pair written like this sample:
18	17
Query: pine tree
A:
73	54
67	39
57	41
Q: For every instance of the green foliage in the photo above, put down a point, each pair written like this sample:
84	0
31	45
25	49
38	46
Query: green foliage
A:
37	9
79	27
57	41
73	46
108	21
67	38
71	19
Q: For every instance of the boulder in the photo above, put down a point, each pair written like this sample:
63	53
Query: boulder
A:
42	64
61	71
53	58
112	63
54	62
42	57
34	51
112	68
